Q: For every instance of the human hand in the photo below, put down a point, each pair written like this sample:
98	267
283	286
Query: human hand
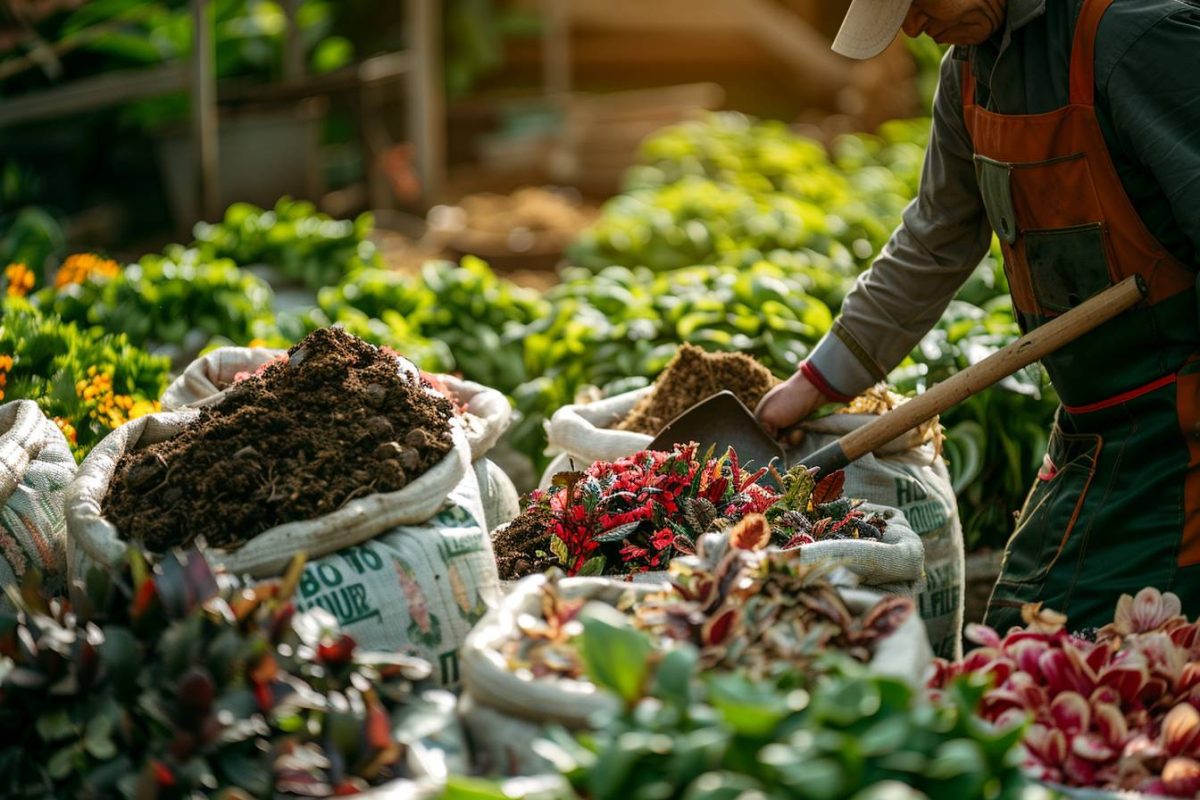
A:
790	402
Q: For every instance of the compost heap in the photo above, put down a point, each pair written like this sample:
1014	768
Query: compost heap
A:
334	421
694	375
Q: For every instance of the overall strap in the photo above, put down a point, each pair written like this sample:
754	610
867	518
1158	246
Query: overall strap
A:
968	84
1083	52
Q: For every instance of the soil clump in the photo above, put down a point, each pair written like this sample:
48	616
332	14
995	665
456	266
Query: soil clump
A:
516	546
335	421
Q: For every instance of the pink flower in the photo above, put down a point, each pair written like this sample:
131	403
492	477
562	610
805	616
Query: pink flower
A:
1148	611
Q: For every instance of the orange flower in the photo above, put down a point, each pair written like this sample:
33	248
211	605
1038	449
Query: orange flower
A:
20	279
84	266
68	430
6	365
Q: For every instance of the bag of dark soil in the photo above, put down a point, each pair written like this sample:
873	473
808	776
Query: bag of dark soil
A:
338	451
910	475
36	466
505	708
484	412
626	423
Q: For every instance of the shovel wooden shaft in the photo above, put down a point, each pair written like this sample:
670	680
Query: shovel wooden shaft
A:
1004	362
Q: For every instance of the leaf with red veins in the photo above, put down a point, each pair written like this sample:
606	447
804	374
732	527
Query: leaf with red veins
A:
1189	678
1061	673
1165	659
1106	695
752	533
1181	777
1092	747
1181	731
1079	771
1187	637
982	635
718	627
1019	691
1071	713
1109	723
1047	745
1127	677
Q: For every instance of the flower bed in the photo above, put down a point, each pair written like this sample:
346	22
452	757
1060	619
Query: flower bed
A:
634	514
1112	710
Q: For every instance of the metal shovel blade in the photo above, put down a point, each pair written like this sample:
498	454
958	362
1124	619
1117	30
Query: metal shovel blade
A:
723	421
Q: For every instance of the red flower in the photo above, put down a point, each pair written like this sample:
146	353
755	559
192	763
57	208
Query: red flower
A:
662	539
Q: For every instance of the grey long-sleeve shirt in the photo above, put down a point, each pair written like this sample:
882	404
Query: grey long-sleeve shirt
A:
1148	103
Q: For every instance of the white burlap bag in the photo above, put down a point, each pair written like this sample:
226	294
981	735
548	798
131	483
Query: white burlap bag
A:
414	588
36	466
585	433
268	553
892	565
213	373
909	475
488	415
503	711
486	418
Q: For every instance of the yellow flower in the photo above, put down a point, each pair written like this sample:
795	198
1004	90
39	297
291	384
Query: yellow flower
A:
68	430
257	343
82	266
20	279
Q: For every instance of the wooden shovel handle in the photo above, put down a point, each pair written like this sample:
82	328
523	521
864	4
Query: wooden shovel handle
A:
1029	348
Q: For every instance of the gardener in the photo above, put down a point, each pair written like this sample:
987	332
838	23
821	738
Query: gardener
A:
1071	128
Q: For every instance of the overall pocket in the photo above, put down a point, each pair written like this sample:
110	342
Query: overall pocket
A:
1067	266
1052	507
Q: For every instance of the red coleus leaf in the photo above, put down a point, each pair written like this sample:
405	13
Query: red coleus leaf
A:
719	626
338	652
829	488
379	728
163	775
144	599
752	533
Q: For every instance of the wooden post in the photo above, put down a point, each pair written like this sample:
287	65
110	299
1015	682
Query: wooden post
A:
556	50
426	99
204	112
293	45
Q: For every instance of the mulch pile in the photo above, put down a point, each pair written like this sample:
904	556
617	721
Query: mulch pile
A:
694	375
517	544
334	422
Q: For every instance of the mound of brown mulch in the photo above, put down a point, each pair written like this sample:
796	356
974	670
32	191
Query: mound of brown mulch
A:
692	376
335	421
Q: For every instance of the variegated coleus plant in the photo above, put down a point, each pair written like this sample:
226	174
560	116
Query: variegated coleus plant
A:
170	682
635	514
745	608
1116	712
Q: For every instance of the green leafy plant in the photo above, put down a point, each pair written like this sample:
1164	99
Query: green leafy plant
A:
180	299
303	244
169	682
89	382
846	734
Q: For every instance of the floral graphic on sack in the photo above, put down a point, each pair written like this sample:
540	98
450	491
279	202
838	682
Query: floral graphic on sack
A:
471	612
425	628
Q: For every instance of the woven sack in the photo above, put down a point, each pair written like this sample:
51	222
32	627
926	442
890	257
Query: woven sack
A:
268	553
417	589
584	433
909	475
503	712
36	466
